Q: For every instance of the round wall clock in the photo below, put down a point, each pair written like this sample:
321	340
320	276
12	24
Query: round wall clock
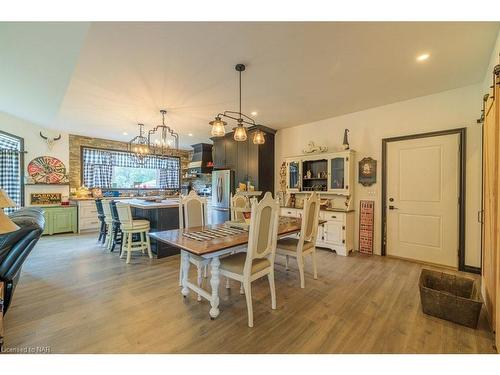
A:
47	170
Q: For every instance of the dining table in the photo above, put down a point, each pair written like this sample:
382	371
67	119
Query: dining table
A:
197	241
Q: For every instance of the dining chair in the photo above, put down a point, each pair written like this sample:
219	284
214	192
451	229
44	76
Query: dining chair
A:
305	245
108	219
239	204
131	226
258	261
101	217
193	213
116	228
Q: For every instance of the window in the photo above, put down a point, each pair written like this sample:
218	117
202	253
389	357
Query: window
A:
11	167
121	170
130	177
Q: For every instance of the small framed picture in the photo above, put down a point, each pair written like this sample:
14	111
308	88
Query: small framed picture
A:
45	199
367	171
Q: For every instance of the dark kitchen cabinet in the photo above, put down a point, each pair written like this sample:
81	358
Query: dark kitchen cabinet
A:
248	160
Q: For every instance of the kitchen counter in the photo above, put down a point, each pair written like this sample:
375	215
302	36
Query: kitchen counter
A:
148	205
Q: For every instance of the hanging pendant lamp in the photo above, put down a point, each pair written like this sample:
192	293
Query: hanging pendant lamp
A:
240	131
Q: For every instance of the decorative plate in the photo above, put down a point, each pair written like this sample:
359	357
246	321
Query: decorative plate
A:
47	170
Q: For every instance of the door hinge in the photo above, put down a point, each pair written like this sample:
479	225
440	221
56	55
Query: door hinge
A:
343	227
346	159
343	241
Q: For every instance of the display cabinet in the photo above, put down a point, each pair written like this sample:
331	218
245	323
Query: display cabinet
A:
293	175
341	173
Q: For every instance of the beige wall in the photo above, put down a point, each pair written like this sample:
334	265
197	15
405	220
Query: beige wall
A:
36	146
447	110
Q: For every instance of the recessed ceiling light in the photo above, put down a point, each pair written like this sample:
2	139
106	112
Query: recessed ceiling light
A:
125	133
423	57
254	113
190	134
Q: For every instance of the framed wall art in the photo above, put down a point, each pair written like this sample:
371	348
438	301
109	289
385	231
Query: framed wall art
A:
367	175
45	199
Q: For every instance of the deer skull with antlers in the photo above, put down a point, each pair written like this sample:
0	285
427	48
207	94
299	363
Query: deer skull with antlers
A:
50	141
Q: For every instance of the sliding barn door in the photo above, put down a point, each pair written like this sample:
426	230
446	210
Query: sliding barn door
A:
491	206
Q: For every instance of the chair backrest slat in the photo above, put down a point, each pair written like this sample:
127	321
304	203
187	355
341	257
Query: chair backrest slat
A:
310	219
192	211
124	215
239	203
106	207
263	232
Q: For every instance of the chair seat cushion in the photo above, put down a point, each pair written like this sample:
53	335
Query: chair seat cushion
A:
290	244
235	263
137	225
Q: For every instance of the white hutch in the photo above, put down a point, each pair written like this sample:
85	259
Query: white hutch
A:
332	176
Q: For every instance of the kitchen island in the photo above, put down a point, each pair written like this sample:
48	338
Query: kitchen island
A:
163	215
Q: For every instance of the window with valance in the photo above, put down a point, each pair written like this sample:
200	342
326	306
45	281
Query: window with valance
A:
120	170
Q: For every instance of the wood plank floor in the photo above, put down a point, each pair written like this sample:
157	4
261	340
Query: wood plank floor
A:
75	297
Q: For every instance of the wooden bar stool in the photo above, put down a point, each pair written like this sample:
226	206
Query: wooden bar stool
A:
108	220
129	227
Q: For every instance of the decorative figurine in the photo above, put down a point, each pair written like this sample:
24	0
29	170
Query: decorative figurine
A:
346	141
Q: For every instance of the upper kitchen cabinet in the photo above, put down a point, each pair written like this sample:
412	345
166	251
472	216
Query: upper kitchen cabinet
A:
251	162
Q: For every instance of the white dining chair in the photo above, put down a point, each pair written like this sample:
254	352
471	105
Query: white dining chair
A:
258	261
108	220
305	245
239	204
193	213
129	227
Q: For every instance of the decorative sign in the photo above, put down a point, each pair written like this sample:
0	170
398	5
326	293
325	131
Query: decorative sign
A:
367	175
47	170
45	199
366	223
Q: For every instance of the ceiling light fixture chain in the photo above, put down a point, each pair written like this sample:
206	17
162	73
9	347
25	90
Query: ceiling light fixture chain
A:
240	132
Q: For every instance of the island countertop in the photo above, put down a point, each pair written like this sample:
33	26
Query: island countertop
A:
147	205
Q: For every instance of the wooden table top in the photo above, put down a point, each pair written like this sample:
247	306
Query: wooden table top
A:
175	238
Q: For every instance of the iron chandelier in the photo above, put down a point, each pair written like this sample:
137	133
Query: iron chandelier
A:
240	132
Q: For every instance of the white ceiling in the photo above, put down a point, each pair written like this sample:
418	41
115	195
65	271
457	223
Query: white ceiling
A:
101	79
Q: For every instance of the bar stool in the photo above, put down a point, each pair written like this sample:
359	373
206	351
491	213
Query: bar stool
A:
101	216
108	219
116	228
129	227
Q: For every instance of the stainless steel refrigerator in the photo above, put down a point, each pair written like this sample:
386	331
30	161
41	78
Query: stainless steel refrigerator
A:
222	187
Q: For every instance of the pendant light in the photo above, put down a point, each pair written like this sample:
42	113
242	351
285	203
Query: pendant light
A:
169	140
258	138
139	145
240	131
218	129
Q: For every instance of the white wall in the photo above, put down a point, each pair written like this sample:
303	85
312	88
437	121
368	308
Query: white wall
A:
36	146
447	110
494	60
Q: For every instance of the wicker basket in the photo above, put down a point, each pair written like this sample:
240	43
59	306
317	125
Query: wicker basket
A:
450	297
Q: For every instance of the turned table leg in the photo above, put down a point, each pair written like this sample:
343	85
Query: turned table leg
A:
185	273
214	283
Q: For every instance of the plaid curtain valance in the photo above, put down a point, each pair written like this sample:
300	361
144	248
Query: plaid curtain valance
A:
10	168
98	167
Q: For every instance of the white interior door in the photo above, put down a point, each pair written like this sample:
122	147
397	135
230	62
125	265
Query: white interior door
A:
422	199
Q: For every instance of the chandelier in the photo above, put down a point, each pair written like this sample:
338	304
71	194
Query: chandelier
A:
139	145
167	141
240	131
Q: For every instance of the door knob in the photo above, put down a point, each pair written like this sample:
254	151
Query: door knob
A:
392	208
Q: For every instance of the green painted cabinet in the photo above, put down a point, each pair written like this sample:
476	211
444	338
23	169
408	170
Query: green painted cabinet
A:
60	219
